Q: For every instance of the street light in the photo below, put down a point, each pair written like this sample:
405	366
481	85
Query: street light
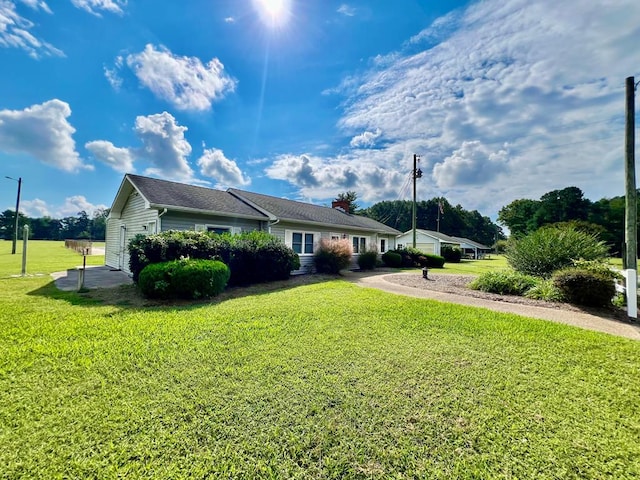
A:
15	234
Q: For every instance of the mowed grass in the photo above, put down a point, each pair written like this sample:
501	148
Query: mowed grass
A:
321	381
475	267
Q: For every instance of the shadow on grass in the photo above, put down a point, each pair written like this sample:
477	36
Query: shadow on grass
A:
129	297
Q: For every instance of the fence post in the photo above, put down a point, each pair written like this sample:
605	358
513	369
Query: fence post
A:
25	239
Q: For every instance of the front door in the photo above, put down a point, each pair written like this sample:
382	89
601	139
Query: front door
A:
122	247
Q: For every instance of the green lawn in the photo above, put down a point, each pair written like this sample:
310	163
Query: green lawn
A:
474	267
321	381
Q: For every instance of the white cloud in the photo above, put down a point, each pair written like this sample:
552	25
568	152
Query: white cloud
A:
365	139
15	30
113	74
545	77
75	204
35	208
325	177
214	164
165	146
471	164
38	208
95	6
43	132
230	20
346	10
120	159
185	82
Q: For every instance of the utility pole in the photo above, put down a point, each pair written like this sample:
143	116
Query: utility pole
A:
15	232
417	173
631	202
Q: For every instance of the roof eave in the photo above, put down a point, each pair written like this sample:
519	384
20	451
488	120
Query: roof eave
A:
207	212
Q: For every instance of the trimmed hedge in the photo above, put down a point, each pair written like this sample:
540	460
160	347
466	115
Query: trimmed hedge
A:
331	256
368	260
187	278
253	257
584	287
392	259
451	254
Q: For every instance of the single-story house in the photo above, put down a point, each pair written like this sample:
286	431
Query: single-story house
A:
427	241
145	205
472	249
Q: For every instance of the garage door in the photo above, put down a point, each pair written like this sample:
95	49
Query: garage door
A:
426	247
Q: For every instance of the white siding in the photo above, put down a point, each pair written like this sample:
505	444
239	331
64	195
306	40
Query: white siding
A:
283	232
135	219
183	221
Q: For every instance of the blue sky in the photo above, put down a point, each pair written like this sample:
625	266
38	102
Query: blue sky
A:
502	99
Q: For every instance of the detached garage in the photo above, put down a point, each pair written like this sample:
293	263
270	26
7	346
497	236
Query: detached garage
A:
427	241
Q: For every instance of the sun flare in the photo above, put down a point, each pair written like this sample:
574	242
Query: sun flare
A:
273	13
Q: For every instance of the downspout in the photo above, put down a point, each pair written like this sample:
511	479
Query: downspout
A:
160	221
271	224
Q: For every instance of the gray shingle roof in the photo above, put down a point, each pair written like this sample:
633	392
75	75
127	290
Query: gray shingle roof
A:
163	193
305	212
440	236
179	195
473	243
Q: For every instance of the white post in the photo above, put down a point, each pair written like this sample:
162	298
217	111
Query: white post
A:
632	293
25	239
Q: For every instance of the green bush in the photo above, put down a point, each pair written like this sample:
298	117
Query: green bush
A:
545	290
500	246
451	254
504	282
253	257
433	261
552	248
583	287
331	256
367	260
185	278
392	259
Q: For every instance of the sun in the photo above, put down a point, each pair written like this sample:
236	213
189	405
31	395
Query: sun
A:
273	13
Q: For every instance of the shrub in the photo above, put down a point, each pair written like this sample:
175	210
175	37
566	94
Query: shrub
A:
332	256
252	256
451	254
549	249
504	282
545	290
392	259
185	278
367	260
583	287
433	261
500	246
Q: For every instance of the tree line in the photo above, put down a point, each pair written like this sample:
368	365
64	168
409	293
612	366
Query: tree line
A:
81	226
604	218
436	214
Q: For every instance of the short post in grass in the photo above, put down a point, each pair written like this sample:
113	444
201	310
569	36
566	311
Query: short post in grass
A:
25	239
425	273
81	270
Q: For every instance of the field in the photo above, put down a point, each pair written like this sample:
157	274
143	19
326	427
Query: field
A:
327	380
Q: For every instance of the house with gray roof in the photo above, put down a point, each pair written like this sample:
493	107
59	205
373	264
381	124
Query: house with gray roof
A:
145	205
427	241
471	248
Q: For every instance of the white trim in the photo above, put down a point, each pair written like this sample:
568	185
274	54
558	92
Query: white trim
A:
288	239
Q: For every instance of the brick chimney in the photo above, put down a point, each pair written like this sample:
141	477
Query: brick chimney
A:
342	205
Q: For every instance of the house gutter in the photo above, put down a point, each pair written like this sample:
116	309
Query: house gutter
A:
159	220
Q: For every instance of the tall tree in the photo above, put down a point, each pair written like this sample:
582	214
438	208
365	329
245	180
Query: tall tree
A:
350	197
519	216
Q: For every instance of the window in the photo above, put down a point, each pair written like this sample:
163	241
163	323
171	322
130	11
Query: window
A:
383	245
359	244
302	242
219	229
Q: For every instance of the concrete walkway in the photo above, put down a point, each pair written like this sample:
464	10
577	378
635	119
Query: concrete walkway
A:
577	319
94	277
